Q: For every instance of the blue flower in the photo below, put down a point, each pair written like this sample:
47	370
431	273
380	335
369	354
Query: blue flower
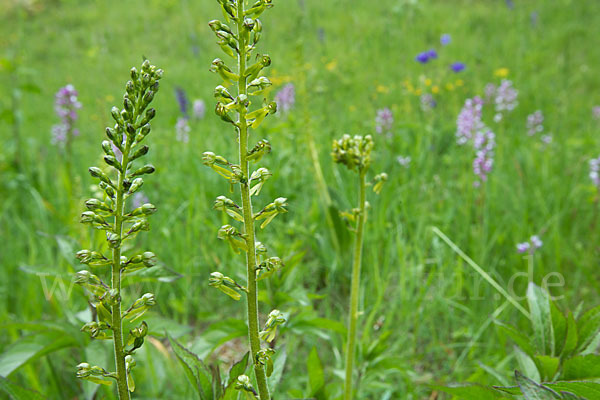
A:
457	66
445	39
432	54
423	57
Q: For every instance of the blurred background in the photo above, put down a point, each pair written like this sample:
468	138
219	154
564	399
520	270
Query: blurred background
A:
400	70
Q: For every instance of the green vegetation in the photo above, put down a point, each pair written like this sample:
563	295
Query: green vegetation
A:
439	262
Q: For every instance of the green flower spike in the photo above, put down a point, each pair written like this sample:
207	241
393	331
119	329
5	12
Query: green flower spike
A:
119	178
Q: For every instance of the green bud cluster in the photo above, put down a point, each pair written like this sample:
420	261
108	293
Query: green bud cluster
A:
355	154
119	179
237	37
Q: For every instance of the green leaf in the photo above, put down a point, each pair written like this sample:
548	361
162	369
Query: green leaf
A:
519	338
588	328
527	364
559	327
534	391
470	391
30	348
16	392
581	367
547	366
197	373
316	376
237	369
571	338
541	318
587	390
278	366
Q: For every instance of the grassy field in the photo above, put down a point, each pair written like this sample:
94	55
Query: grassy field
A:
426	312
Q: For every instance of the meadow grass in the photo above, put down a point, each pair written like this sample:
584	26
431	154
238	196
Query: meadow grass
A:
429	310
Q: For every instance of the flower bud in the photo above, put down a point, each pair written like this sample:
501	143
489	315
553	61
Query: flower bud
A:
113	162
142	151
127	104
146	169
97	205
146	66
97	173
113	239
248	23
145	209
116	114
135	185
143	133
142	225
134	74
83	277
149	259
150	113
84	370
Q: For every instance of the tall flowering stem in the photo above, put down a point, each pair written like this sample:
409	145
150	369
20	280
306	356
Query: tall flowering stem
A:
355	154
109	214
239	43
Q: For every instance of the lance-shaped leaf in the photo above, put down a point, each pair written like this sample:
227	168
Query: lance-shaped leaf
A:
235	239
260	176
269	331
226	285
261	148
271	211
139	307
255	118
228	206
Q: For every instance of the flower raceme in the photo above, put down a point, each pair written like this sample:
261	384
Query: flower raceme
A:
242	88
120	180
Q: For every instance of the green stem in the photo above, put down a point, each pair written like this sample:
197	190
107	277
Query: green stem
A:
353	317
252	294
117	327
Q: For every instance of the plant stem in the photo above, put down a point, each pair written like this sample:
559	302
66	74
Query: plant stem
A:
122	388
252	296
353	317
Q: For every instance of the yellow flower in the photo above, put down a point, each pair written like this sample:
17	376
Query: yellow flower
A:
501	72
382	89
449	86
459	83
435	89
418	92
352	108
427	82
331	66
